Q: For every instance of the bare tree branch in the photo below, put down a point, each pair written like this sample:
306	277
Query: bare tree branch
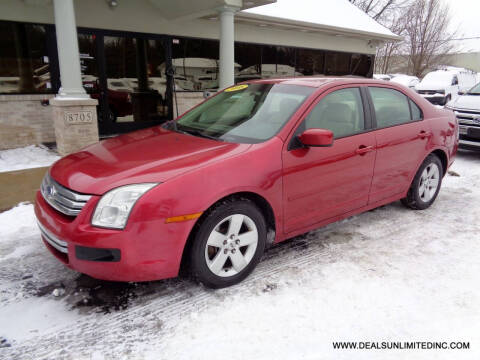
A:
425	26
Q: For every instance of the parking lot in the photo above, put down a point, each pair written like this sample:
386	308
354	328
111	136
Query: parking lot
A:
391	274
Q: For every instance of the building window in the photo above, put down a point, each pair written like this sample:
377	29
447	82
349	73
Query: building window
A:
249	57
24	60
362	65
337	63
195	62
310	62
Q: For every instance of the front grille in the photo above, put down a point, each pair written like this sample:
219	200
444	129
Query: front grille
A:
466	117
66	201
55	242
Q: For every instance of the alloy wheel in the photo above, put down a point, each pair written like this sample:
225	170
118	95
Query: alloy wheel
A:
231	245
429	182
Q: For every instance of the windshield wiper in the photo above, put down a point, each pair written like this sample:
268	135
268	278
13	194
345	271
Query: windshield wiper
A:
198	133
473	93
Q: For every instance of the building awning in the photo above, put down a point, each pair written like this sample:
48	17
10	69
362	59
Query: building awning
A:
191	9
338	17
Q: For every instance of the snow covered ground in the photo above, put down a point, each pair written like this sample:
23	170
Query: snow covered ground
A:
27	157
391	274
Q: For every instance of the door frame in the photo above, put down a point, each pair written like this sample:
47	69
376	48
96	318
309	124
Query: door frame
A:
369	126
106	126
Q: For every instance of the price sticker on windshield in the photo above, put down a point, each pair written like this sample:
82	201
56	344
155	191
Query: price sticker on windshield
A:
236	88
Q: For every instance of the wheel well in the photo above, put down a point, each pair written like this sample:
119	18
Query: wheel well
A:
443	158
260	201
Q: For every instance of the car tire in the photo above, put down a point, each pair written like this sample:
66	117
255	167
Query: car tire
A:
426	184
112	116
228	243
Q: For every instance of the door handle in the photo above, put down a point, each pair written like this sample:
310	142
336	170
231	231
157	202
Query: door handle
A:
362	149
424	134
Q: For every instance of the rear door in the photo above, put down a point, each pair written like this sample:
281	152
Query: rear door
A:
402	137
323	182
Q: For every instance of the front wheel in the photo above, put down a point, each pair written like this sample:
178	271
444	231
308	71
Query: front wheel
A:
228	244
425	185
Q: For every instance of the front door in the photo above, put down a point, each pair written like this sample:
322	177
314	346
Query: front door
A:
323	182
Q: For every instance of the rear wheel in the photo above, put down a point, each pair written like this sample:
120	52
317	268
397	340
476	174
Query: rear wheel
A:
228	244
425	185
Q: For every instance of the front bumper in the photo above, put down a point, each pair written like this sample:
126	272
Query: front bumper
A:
143	251
469	137
469	145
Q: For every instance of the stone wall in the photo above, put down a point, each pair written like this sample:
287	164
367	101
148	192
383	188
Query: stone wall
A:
76	124
25	121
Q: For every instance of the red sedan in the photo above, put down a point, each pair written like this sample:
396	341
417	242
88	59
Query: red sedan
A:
254	165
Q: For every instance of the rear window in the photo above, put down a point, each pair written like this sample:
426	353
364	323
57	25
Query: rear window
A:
416	112
391	107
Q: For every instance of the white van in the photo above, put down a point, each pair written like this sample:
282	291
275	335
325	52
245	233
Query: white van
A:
441	86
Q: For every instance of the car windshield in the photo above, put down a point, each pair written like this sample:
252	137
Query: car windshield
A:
248	113
475	90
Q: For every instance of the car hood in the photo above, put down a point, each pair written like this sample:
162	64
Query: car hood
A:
150	155
467	102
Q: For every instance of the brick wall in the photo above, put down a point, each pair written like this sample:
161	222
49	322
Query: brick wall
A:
25	121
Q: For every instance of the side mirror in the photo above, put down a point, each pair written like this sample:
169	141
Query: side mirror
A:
461	92
317	138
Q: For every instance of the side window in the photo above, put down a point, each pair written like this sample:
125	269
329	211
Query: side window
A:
416	112
391	107
455	80
340	111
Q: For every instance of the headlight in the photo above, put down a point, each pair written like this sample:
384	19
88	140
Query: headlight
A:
114	207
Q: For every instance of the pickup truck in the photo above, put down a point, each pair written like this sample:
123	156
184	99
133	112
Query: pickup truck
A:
467	110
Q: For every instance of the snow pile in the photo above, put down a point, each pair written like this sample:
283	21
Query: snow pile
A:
25	158
21	315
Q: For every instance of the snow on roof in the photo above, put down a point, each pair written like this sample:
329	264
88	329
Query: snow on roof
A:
337	14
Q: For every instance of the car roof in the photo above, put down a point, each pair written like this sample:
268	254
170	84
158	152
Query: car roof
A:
318	81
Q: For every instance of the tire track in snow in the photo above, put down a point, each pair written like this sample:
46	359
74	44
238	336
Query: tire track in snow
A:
182	298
